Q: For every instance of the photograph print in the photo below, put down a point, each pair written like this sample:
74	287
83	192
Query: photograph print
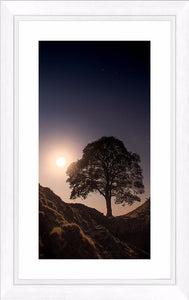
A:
94	150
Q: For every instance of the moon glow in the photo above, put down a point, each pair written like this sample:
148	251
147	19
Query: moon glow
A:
60	162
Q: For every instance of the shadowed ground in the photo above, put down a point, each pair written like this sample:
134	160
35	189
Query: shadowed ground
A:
76	231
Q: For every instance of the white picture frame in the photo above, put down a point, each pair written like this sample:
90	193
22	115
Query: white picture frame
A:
177	12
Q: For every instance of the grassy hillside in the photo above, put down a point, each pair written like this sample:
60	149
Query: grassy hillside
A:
137	226
141	211
77	231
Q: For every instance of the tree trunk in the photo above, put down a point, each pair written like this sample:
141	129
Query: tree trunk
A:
109	207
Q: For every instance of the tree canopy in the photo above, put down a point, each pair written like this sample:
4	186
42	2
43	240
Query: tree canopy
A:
108	168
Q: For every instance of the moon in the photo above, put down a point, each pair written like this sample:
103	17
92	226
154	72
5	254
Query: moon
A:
60	162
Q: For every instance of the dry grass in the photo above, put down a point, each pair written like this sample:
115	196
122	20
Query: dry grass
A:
77	231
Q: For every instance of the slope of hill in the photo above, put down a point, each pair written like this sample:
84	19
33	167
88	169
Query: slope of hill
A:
141	211
77	231
136	226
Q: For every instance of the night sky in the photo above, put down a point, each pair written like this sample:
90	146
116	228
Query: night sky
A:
88	90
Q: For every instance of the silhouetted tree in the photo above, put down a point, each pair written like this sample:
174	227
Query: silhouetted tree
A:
108	168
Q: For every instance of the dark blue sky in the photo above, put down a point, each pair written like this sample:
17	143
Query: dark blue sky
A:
90	89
